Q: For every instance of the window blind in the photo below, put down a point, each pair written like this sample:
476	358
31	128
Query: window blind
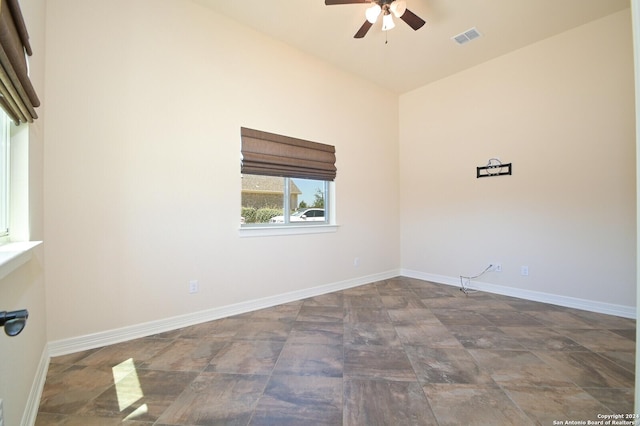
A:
17	95
276	155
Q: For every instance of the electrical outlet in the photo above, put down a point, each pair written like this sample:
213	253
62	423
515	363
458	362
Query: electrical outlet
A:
524	271
497	267
193	286
356	262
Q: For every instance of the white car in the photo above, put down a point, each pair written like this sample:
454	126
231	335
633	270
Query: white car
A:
306	215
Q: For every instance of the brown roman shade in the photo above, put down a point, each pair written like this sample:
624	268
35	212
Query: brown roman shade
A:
17	96
275	155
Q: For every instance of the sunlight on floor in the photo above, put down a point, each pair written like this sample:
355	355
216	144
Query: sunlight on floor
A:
141	410
128	389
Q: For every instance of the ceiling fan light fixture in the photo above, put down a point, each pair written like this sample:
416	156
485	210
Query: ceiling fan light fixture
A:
372	13
387	22
398	7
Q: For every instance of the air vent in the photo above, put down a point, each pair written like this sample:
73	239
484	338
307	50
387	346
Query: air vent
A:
467	36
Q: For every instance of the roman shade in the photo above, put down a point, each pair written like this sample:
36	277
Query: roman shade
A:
276	155
17	95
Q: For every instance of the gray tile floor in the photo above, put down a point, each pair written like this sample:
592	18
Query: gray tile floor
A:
395	352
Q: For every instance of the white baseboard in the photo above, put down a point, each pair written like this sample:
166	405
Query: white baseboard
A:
109	337
33	401
536	296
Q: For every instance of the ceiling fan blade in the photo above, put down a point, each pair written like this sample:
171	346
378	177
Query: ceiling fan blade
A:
363	29
413	20
332	2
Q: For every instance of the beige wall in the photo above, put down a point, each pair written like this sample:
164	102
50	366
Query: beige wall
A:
22	354
562	112
145	101
24	288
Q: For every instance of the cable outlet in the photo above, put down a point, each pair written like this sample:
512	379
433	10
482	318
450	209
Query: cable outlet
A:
193	286
497	267
524	271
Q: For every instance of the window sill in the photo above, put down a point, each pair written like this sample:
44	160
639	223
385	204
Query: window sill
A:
14	255
268	231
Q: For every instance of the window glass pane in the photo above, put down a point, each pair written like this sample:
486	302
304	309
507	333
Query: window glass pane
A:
308	200
266	198
262	198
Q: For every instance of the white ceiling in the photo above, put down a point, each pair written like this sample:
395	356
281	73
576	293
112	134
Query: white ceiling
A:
411	59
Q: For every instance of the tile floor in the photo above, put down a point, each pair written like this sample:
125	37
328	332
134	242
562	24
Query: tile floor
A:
396	352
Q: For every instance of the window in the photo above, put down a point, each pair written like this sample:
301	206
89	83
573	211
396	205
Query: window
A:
266	198
285	181
18	101
5	161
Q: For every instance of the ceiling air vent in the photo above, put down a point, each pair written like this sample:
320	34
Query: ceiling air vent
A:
466	36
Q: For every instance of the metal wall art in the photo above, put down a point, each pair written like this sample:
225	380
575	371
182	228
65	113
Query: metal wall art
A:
494	167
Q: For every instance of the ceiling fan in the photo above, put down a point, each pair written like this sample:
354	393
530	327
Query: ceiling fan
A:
386	8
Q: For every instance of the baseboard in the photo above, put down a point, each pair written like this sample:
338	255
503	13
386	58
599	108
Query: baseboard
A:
109	337
33	401
536	296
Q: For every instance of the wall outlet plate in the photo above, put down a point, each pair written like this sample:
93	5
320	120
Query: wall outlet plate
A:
497	267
